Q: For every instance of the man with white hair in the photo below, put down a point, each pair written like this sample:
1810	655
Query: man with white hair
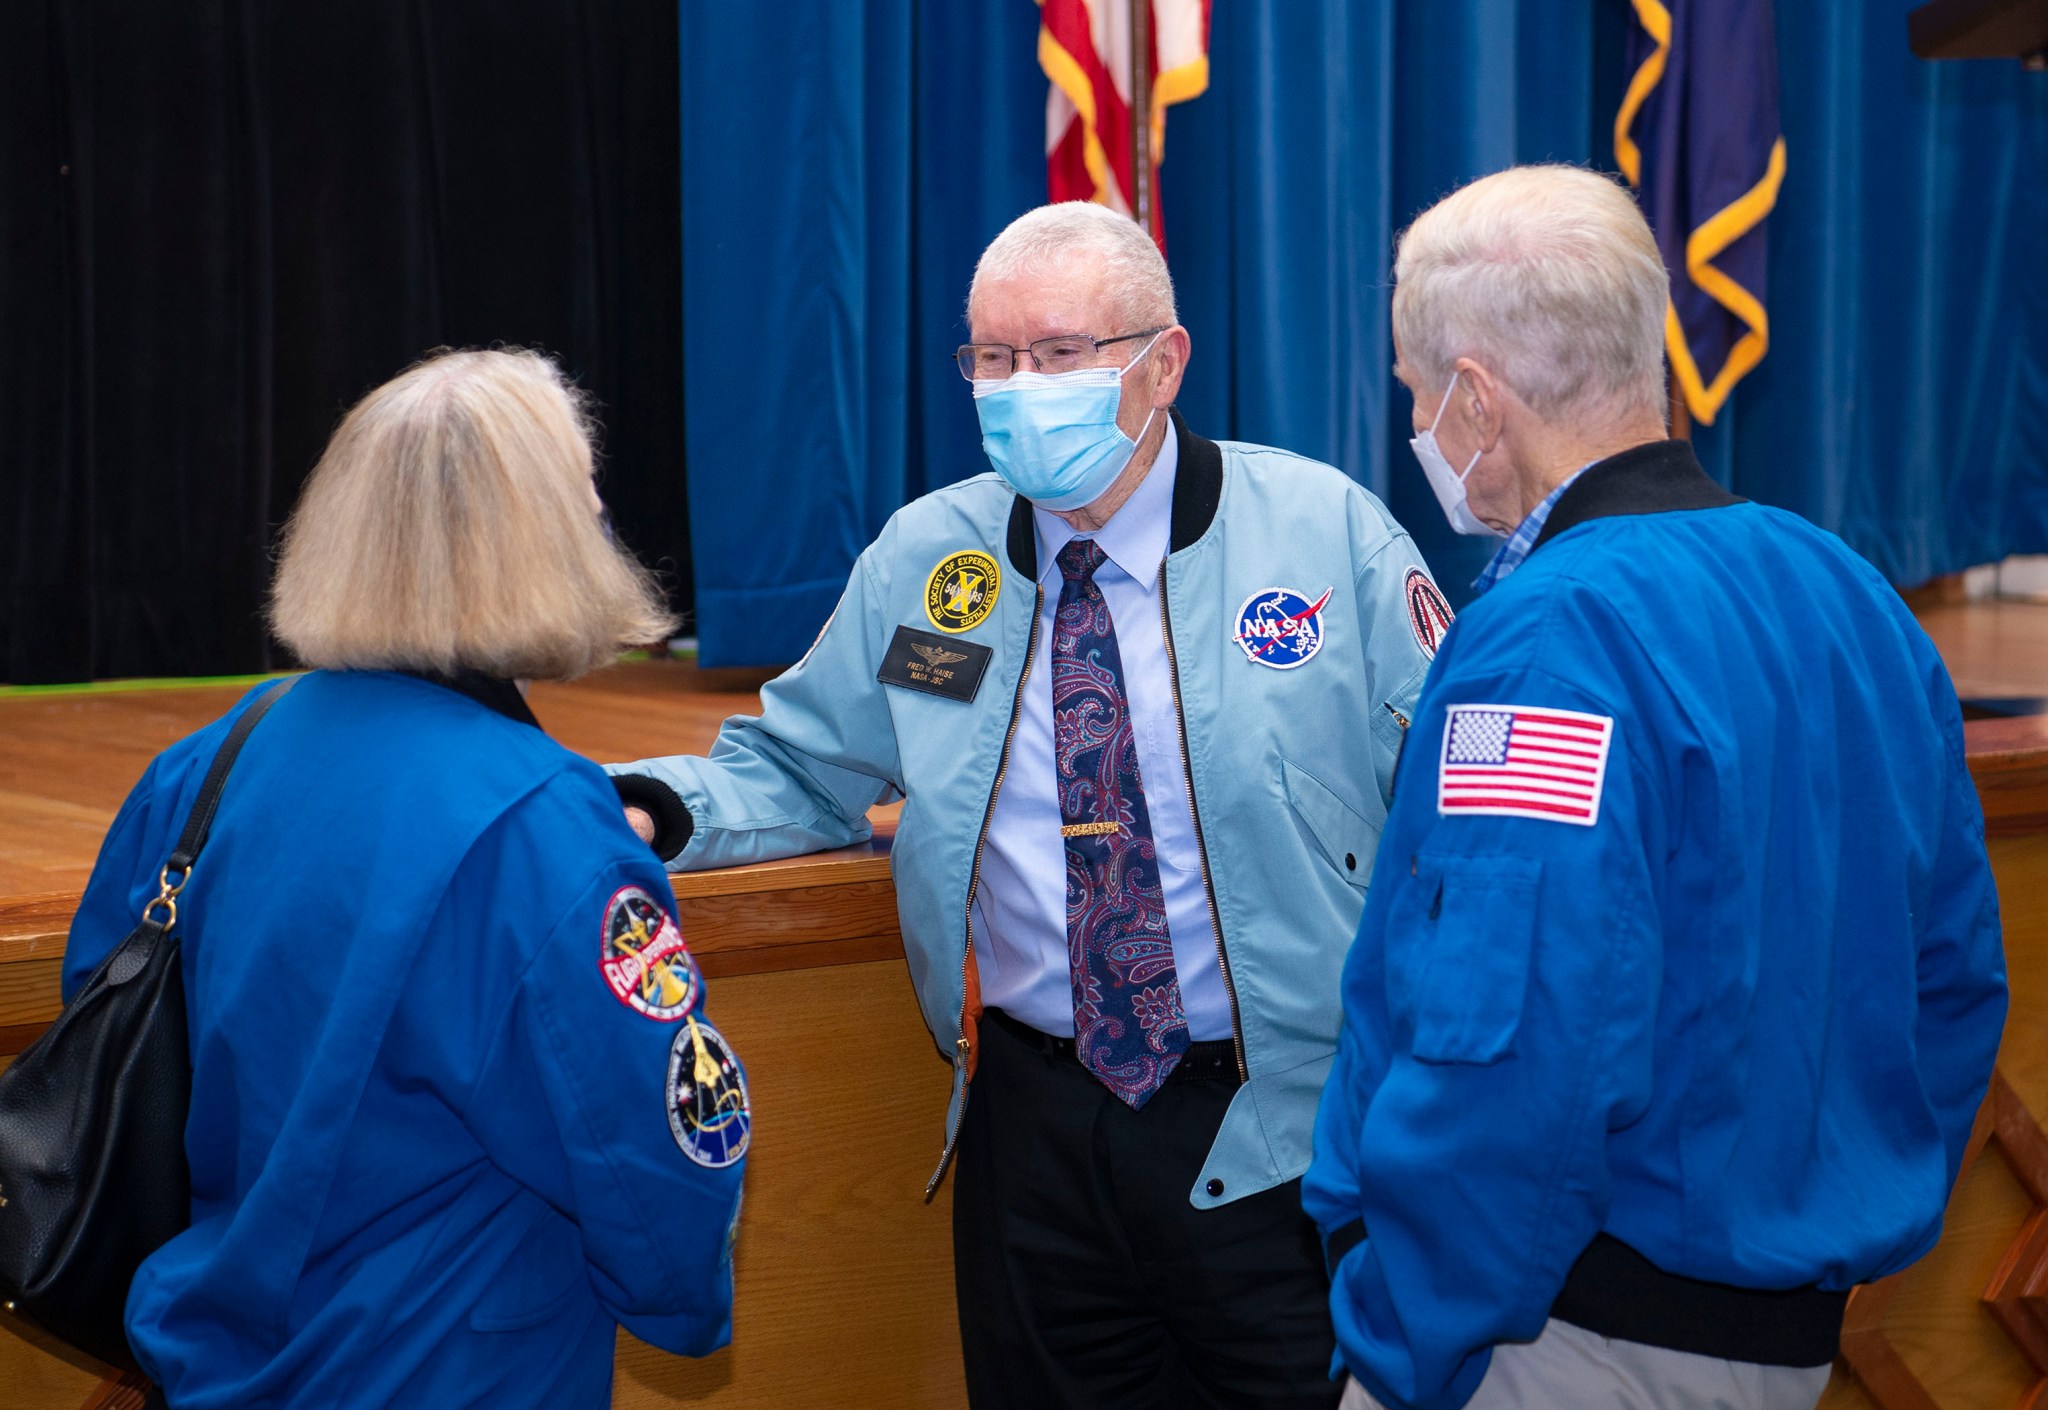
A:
1681	979
1144	694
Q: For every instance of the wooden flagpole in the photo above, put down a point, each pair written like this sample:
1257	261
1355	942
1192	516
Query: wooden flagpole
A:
1141	112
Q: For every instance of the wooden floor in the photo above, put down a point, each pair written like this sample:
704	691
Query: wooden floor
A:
67	760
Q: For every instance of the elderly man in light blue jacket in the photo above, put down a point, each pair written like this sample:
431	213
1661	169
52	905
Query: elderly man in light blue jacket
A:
1144	694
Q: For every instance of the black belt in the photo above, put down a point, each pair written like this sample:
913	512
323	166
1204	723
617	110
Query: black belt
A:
1616	1292
1210	1061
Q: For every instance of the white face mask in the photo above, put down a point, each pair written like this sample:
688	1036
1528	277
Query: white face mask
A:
1449	484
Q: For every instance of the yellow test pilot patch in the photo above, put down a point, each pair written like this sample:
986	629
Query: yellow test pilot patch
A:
961	591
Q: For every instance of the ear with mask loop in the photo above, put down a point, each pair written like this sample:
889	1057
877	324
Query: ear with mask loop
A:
1448	484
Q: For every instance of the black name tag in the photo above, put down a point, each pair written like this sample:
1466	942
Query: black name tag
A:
934	664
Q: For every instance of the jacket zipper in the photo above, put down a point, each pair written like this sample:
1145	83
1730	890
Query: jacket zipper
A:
960	1043
1201	843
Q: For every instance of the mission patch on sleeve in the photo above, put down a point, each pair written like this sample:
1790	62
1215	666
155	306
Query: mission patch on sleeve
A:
643	958
708	1112
1428	613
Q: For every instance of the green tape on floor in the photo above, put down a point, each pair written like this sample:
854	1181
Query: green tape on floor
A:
15	692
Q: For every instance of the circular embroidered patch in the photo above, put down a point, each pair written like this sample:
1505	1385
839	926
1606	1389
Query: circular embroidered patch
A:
1280	627
643	958
1428	613
707	1097
961	591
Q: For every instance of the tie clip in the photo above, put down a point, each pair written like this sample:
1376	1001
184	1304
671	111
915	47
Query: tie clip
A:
1094	829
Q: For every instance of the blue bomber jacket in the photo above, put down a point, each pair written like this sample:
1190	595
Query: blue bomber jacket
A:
1681	977
1289	770
450	1122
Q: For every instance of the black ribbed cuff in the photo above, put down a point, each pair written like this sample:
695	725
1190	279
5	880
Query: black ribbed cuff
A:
1341	1242
672	821
1616	1292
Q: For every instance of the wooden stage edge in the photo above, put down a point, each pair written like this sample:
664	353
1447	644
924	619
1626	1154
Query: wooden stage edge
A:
839	907
826	909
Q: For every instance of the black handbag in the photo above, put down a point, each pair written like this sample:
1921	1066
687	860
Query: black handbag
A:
93	1177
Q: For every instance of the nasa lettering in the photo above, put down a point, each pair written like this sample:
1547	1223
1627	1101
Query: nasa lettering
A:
1281	628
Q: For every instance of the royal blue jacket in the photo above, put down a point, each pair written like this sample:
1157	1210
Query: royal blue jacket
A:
1738	1019
440	1141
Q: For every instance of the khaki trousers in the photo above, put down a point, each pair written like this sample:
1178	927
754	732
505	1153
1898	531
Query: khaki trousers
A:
1569	1368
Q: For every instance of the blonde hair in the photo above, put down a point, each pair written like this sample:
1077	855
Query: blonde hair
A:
1042	240
1549	276
448	527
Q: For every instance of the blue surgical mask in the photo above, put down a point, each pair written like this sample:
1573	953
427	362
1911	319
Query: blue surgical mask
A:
1053	437
1449	484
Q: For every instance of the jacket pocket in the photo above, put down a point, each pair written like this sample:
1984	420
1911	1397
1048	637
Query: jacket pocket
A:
1458	946
1344	834
537	1283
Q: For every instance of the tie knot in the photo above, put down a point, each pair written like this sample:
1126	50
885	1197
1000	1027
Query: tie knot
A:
1080	558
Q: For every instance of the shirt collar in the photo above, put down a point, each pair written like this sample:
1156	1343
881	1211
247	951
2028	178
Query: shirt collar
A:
1136	536
1518	545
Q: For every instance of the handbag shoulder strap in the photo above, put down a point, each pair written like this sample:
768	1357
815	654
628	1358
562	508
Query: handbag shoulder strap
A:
200	821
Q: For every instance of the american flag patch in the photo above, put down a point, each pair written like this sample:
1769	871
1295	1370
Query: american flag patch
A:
1519	761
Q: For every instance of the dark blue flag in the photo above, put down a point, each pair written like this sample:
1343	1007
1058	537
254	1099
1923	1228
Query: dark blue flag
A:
1698	136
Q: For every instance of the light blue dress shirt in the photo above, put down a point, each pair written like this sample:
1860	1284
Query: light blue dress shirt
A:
1522	542
1020	909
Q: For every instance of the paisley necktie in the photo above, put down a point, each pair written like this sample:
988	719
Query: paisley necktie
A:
1129	1027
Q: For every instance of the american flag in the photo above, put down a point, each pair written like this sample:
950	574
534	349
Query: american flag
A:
1086	48
1521	761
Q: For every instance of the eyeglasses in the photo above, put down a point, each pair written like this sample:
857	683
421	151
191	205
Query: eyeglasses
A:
986	362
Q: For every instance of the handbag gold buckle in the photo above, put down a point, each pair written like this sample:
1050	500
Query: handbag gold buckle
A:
167	896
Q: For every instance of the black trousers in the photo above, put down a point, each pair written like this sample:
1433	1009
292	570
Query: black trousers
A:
1086	1279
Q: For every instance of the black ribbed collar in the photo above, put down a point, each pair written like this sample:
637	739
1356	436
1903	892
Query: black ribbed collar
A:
1657	478
488	691
1197	490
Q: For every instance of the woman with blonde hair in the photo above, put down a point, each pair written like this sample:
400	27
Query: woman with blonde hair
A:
456	1111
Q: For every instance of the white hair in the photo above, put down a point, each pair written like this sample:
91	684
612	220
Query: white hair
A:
1041	242
1549	277
448	527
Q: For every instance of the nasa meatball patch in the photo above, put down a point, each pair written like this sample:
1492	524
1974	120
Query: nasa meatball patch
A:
1281	628
1428	613
643	958
706	1091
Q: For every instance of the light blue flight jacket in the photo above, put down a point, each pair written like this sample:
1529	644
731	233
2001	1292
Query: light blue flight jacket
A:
1288	768
435	1155
1740	1021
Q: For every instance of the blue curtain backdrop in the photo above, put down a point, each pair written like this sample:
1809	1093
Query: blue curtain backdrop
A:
1904	402
844	165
